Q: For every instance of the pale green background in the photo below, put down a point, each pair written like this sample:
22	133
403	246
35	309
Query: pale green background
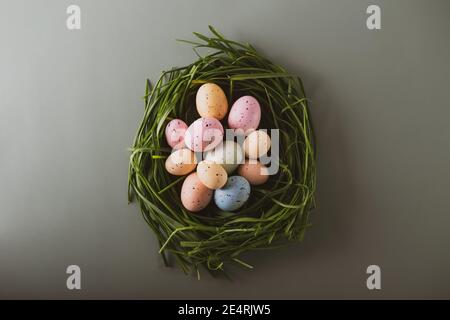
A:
70	104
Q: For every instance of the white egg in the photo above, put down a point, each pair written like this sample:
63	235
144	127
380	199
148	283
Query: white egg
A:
257	144
228	154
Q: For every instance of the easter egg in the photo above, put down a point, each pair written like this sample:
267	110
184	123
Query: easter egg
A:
211	101
245	114
195	196
204	134
175	131
211	174
256	144
233	195
181	162
228	154
254	171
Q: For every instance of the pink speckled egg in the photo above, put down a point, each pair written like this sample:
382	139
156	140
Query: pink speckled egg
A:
204	134
195	196
245	114
175	131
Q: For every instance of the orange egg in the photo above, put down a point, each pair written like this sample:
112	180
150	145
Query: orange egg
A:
195	196
181	162
211	174
255	172
211	101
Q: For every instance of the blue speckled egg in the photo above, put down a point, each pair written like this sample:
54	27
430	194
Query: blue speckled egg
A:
233	195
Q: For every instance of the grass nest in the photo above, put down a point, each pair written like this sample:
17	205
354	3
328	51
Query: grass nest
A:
277	211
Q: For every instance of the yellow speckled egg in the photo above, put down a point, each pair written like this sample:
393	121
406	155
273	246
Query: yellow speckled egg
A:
195	196
211	101
211	174
254	171
181	162
257	144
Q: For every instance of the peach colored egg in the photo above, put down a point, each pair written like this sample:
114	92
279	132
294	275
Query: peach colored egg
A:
204	134
195	196
211	101
254	171
211	174
256	144
245	114
181	162
175	131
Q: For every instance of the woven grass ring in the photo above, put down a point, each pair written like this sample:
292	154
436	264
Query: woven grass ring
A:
277	211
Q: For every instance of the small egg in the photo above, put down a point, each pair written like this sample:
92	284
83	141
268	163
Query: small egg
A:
257	144
228	154
195	196
233	195
204	134
175	131
211	174
254	171
245	114
181	162
211	101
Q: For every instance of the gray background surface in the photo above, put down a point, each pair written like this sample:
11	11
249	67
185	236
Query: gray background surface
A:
70	102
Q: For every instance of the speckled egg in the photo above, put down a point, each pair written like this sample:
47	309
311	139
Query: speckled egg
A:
195	196
211	101
256	144
181	162
228	154
245	114
233	195
211	174
204	134
175	131
254	171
